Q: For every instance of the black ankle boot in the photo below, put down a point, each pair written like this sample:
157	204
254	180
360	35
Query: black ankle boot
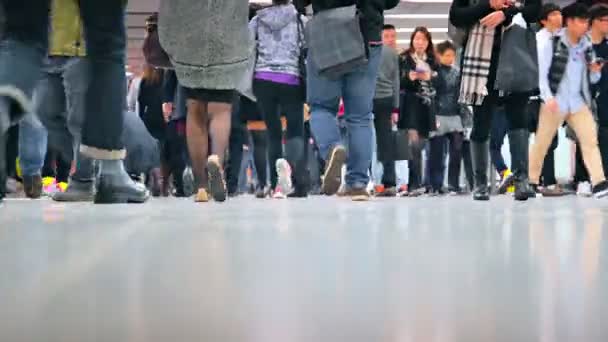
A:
480	153
519	145
115	186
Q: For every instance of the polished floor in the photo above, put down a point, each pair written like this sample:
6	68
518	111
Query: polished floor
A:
322	269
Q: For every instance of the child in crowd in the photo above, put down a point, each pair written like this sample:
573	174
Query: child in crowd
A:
418	80
567	67
449	123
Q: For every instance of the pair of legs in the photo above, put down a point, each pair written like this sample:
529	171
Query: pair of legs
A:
436	156
416	145
275	100
208	134
57	166
385	140
21	55
356	90
516	115
583	124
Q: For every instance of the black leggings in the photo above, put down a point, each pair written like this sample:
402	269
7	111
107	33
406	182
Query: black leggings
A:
436	157
515	110
274	100
260	159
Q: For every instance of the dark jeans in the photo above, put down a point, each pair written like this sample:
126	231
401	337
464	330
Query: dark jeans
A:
25	45
515	113
436	157
238	138
385	140
275	100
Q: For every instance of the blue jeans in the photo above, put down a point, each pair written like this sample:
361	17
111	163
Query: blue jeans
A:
22	52
357	91
32	145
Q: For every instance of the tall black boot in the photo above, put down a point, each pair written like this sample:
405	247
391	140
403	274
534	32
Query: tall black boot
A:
519	144
480	153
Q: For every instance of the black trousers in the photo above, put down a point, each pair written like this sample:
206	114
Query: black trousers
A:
468	163
436	157
603	143
580	171
274	101
515	111
56	166
385	142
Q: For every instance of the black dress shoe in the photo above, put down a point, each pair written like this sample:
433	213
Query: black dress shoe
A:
113	189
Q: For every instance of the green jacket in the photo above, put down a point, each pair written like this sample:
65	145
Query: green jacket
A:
66	34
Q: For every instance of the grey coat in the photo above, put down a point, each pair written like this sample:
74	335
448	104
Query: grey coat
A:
207	41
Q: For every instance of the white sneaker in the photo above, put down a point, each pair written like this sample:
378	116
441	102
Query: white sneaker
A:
278	193
584	189
284	176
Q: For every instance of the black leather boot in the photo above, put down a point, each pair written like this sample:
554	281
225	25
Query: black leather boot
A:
115	186
480	153
519	145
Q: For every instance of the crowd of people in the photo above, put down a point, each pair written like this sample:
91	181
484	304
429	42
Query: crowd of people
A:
270	100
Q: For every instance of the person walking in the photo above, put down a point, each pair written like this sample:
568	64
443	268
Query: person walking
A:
484	22
356	88
24	47
279	35
210	57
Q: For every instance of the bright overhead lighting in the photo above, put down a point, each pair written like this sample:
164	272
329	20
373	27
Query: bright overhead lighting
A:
431	30
416	16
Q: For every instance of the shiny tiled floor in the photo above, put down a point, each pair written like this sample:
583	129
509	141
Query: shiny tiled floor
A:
428	269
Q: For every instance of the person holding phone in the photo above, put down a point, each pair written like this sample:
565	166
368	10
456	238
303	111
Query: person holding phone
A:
599	32
418	80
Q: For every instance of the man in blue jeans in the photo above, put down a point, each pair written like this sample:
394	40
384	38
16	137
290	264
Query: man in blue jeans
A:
21	54
356	89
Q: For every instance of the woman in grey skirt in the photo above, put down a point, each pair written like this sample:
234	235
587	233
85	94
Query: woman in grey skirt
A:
208	43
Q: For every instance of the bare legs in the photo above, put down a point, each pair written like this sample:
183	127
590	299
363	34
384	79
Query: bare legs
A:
205	121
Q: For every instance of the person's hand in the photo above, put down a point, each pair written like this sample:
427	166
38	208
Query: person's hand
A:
167	110
426	76
552	105
498	4
412	136
394	118
494	19
595	67
413	75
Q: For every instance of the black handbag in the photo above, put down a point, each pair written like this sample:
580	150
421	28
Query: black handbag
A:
518	64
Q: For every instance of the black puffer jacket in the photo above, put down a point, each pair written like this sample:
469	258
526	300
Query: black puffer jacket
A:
371	10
